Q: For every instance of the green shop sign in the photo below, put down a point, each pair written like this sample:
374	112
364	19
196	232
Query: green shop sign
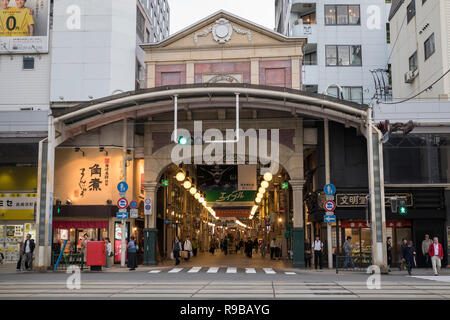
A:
237	197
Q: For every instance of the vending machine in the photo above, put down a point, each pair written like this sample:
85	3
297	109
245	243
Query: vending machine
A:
118	240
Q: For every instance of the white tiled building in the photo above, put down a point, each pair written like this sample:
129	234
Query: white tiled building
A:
345	42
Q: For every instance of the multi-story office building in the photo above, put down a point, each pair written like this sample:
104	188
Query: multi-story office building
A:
345	42
419	162
77	51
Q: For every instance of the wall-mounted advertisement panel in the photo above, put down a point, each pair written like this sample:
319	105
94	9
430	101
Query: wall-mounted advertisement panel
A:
24	26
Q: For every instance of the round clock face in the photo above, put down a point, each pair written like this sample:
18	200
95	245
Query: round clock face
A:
222	31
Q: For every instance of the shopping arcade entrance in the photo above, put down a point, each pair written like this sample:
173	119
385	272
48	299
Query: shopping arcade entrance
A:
266	107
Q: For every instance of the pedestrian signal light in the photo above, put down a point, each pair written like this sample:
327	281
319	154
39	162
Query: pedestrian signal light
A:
402	207
182	140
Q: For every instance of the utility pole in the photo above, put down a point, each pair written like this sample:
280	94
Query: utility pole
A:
124	151
327	181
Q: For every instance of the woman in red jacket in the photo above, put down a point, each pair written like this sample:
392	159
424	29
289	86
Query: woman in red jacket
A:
436	253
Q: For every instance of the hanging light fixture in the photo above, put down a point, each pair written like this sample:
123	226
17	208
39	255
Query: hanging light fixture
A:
260	195
187	184
201	200
193	190
258	200
268	176
264	184
262	190
180	176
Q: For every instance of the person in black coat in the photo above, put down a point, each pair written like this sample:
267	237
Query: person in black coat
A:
249	248
176	250
409	253
389	252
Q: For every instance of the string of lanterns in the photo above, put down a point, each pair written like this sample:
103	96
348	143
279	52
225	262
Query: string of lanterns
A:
181	177
261	191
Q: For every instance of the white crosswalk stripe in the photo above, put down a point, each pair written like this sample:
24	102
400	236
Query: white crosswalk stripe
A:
175	270
212	270
250	270
269	271
289	272
231	270
155	271
194	269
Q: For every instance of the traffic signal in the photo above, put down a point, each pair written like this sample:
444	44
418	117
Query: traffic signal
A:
393	201
58	206
383	126
182	140
402	207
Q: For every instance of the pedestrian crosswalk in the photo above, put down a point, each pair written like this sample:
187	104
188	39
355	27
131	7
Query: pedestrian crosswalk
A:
227	270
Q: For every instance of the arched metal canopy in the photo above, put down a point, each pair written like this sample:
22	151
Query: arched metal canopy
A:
145	103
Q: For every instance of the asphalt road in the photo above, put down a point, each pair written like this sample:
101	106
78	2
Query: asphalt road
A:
221	283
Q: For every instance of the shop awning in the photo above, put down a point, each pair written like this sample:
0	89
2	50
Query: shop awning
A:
80	224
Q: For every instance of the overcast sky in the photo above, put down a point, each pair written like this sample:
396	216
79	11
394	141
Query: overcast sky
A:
183	13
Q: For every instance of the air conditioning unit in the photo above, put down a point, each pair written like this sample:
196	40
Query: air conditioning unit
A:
411	75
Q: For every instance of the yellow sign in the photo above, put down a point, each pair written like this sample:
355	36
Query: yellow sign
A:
17	206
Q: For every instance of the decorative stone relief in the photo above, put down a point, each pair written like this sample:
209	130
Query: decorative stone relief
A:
222	31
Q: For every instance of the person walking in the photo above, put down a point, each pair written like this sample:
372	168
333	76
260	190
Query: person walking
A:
27	254
409	253
249	248
84	246
348	247
436	253
425	248
194	246
273	245
212	247
176	250
263	248
188	247
108	251
278	249
131	254
389	252
318	248
225	246
241	246
307	254
256	245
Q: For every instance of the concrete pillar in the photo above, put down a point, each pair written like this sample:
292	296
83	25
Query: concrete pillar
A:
299	227
446	240
190	72
296	73
44	214
254	71
150	231
151	75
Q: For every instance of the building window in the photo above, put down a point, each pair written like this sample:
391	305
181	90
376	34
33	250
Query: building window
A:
140	24
342	15
343	55
28	63
411	10
310	59
388	33
429	47
354	94
413	62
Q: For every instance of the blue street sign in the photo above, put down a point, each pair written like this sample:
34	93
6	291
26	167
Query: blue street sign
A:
329	189
122	215
167	221
133	204
122	186
329	218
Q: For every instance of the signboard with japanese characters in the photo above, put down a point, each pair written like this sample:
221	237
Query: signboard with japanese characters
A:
360	199
17	206
89	179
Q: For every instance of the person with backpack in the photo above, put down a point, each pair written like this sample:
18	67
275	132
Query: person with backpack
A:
348	252
318	248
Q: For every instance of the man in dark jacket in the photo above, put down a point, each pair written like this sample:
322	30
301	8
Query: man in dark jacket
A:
27	253
408	254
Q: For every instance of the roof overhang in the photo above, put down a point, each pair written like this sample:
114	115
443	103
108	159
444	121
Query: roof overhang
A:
145	103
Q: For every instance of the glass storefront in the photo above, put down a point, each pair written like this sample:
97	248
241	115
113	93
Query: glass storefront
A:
75	237
11	237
